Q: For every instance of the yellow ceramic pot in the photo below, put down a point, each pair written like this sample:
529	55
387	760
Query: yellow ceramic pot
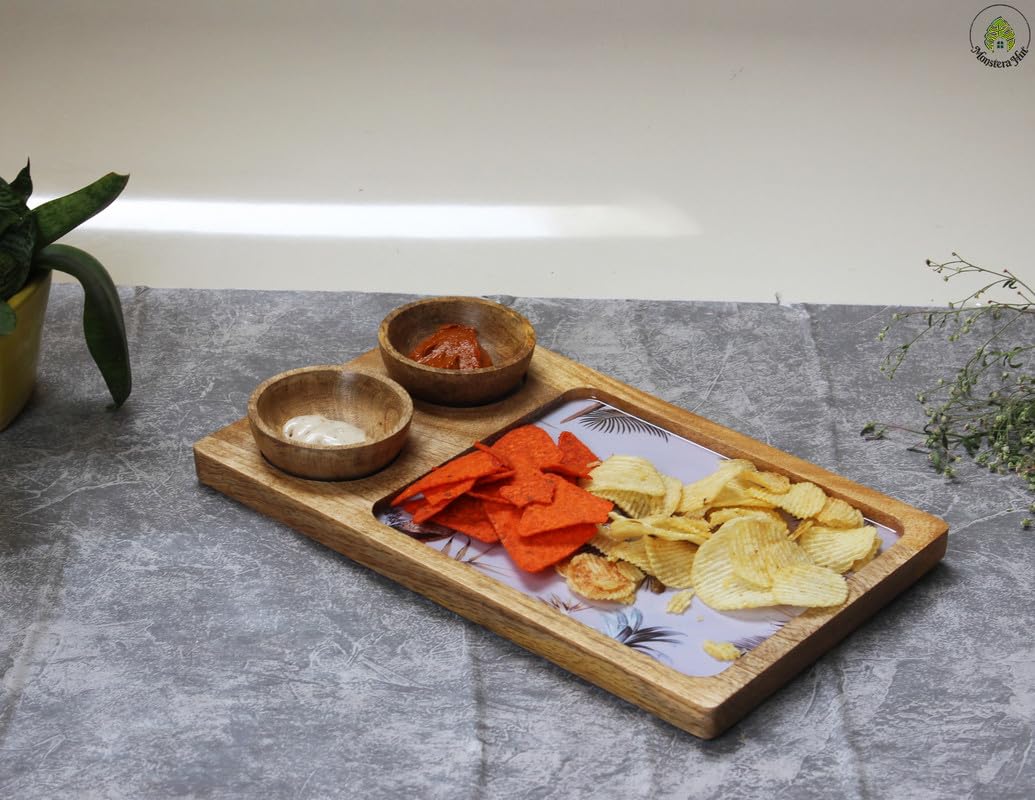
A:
19	351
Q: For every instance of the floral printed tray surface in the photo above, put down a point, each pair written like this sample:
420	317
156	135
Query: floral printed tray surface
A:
674	639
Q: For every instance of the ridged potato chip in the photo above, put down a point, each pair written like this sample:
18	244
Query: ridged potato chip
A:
801	500
700	494
680	601
803	527
673	494
862	562
624	528
771	481
713	577
758	546
671	562
627	474
633	504
736	493
721	651
746	544
809	585
837	549
836	513
677	529
634	551
596	578
723	515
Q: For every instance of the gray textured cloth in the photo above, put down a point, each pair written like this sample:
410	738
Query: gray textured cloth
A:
158	639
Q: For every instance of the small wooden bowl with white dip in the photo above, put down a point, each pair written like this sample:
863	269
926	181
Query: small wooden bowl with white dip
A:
353	403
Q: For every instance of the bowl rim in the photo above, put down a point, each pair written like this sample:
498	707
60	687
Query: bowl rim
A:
255	418
523	353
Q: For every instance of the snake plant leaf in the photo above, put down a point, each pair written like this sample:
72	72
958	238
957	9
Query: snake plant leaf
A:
8	217
7	318
63	214
11	199
16	246
22	185
103	324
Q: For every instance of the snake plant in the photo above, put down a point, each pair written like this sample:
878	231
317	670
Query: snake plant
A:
27	247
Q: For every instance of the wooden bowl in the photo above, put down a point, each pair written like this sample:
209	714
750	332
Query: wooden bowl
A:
503	333
373	403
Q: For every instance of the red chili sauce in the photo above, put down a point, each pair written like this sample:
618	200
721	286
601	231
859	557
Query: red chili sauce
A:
452	346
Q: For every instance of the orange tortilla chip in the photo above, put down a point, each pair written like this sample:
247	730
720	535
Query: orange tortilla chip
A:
469	466
528	444
451	491
534	553
490	492
467	515
528	486
576	458
571	505
426	510
504	517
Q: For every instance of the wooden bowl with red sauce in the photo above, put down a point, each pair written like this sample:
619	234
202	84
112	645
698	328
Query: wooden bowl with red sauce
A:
506	337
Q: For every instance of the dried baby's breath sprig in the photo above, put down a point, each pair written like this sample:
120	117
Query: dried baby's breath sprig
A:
987	409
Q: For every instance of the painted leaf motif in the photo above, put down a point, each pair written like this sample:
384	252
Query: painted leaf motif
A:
999	28
611	420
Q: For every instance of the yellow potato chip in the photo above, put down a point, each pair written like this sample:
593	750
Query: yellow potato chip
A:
680	601
681	524
862	562
837	549
735	493
770	481
673	494
670	562
627	474
630	571
623	528
723	515
596	578
801	500
809	585
632	551
836	513
700	494
713	577
721	651
678	529
800	531
632	503
748	536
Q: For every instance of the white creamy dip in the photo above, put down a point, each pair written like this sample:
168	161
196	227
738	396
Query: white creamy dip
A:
317	429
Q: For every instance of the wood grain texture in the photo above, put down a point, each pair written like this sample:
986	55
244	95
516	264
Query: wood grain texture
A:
340	516
507	337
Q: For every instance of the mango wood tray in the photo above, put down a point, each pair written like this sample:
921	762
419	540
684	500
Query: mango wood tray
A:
342	517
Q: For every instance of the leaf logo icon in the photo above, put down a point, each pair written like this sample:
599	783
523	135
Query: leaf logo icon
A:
999	35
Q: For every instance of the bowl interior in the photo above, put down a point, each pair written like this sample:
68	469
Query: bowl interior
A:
372	404
503	333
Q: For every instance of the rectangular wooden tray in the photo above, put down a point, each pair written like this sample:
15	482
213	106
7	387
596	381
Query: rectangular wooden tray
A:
341	516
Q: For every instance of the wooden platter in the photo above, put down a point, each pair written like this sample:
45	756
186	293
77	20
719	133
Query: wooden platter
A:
341	515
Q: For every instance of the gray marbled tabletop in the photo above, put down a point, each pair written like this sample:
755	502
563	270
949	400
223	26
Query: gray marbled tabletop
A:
159	640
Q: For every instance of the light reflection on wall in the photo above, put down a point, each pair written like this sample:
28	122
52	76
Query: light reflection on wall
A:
395	221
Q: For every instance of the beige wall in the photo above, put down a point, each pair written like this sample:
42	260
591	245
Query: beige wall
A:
818	151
